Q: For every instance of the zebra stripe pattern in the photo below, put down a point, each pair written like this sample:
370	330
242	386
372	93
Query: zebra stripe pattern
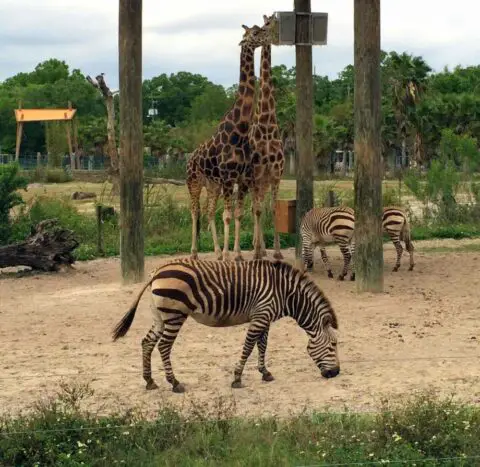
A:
395	224
326	225
220	294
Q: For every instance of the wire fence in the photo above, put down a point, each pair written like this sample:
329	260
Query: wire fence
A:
411	462
153	166
250	364
145	424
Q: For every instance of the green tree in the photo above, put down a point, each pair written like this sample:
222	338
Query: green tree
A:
157	136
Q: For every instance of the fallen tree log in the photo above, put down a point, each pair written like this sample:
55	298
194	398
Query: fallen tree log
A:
46	249
163	181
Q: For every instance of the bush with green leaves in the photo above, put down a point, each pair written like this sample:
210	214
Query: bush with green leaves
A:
439	190
10	183
421	430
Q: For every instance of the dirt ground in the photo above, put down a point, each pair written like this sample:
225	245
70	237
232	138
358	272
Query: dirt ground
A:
423	332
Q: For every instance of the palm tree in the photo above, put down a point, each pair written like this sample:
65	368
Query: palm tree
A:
407	78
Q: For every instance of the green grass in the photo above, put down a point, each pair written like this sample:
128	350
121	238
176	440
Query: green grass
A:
474	248
420	429
168	227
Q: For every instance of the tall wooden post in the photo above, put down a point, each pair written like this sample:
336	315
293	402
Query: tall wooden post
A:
304	122
368	174
18	136
131	141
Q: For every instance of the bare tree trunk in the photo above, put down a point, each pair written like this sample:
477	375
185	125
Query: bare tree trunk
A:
304	118
114	172
131	141
368	155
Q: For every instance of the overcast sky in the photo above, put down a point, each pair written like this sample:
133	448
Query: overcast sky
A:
202	36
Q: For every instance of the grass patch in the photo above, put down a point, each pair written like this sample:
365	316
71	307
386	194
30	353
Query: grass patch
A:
168	222
469	248
168	228
420	429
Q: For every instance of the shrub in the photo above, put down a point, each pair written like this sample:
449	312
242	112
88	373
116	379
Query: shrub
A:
419	431
10	182
50	175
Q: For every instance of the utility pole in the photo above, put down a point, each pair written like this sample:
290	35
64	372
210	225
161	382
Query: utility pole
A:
368	173
304	120
131	141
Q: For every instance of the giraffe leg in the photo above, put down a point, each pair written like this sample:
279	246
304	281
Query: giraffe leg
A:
239	210
258	199
344	248
253	334
172	326
323	252
213	194
255	236
227	217
195	211
148	344
276	237
262	349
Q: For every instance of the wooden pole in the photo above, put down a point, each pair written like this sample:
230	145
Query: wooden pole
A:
70	147
304	121
18	136
131	141
368	178
19	140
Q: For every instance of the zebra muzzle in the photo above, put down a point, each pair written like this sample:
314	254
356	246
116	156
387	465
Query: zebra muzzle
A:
331	372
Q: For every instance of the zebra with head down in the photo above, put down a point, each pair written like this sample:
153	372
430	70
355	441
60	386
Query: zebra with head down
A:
220	294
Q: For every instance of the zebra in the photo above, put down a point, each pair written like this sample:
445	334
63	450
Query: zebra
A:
221	294
325	225
395	224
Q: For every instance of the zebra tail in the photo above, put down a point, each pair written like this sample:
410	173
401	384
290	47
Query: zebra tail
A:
124	324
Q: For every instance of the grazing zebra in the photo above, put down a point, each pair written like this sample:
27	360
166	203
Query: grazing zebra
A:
325	225
395	224
220	294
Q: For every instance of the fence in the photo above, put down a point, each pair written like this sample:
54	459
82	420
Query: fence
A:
171	168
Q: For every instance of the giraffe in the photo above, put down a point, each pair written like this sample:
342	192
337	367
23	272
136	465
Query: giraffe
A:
266	146
223	159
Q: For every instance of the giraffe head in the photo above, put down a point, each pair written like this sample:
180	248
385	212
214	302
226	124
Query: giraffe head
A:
257	36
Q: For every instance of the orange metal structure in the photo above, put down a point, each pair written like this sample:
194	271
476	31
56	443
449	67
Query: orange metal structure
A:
44	115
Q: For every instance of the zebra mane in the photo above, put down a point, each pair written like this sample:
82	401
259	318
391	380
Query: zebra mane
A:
306	284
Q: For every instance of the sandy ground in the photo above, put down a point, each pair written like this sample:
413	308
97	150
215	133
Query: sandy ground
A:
423	332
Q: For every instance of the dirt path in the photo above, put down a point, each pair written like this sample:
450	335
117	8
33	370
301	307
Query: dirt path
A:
423	332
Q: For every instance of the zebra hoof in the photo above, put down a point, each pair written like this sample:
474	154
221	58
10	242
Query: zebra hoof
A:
239	258
410	268
194	255
179	388
267	376
395	269
330	274
352	277
237	385
151	385
278	256
340	277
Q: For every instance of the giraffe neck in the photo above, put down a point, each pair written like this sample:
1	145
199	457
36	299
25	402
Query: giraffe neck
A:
246	84
266	101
